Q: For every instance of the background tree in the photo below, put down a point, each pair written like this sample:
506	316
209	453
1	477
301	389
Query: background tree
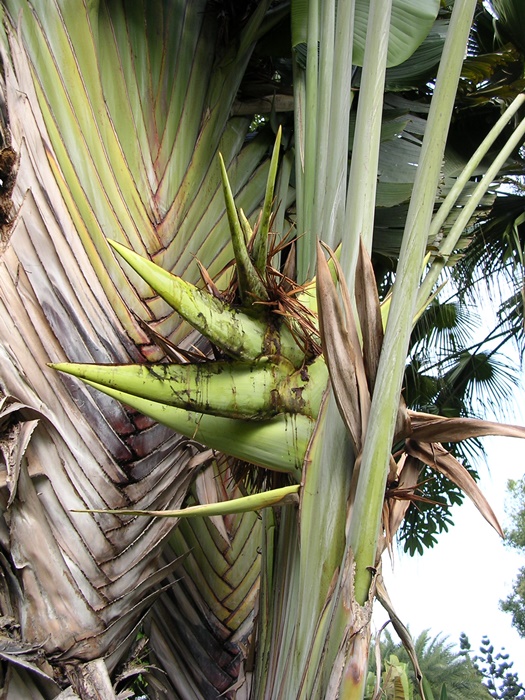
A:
493	262
441	665
495	669
515	537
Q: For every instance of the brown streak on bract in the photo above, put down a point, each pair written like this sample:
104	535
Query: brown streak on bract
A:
403	427
210	284
369	313
339	354
353	335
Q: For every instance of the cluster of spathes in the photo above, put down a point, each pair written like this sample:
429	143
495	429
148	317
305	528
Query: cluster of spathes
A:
276	346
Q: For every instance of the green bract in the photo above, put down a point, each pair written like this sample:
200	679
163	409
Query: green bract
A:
259	402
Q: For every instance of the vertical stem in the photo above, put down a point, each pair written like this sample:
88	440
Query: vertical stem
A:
323	508
326	67
366	517
310	146
283	187
362	184
277	615
334	206
299	82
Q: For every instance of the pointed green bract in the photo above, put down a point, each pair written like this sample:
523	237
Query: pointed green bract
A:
237	333
274	497
240	390
251	287
278	443
260	244
246	228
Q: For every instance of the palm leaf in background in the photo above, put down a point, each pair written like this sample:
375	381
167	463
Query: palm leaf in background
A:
494	71
441	665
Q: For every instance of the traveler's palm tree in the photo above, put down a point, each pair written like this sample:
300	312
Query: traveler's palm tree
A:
116	115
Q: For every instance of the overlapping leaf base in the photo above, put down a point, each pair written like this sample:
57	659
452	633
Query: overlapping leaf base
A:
118	152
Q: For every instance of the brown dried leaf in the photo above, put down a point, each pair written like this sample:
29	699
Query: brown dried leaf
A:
430	428
339	351
13	445
351	327
361	371
403	426
395	508
369	312
442	461
210	284
289	269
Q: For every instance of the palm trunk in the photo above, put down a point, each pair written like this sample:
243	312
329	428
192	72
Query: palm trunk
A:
99	153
